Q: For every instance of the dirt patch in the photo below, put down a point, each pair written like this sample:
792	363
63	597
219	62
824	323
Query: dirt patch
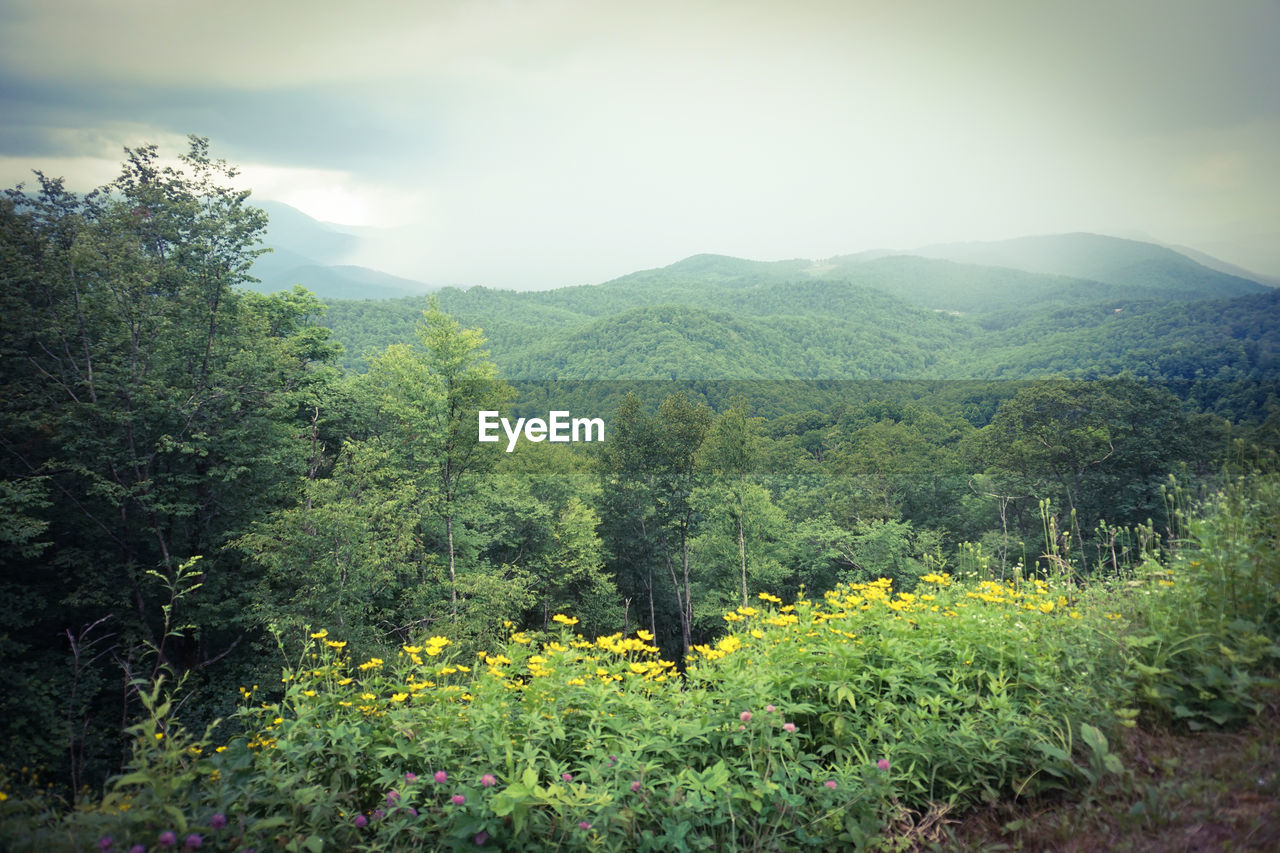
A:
1210	791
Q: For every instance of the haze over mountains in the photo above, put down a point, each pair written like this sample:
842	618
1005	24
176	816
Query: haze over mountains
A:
1070	304
322	257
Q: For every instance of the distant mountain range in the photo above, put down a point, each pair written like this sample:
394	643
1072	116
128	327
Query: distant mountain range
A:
318	256
312	253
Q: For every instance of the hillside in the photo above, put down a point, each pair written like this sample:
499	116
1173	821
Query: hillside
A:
872	316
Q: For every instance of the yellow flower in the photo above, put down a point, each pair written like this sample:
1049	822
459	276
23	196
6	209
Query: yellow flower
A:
159	735
344	681
321	634
221	749
644	635
399	697
371	663
308	693
335	644
368	696
564	620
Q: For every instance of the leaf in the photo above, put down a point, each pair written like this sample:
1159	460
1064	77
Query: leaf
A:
1094	737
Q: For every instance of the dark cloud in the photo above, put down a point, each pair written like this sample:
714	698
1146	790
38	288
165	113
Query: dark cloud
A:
319	127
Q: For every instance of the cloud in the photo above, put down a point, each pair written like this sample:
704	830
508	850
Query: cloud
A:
563	141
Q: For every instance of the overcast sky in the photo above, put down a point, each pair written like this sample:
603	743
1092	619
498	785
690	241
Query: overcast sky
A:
549	142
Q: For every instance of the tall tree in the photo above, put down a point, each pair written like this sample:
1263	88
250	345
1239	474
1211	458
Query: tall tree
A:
149	405
431	396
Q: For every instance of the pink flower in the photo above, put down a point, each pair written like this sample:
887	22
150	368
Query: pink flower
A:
441	777
567	777
105	842
582	824
481	838
193	841
218	821
393	797
637	786
488	781
788	727
411	777
361	821
883	764
745	716
167	839
458	799
770	708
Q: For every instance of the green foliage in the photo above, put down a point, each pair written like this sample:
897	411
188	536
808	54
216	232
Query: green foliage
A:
1207	637
150	411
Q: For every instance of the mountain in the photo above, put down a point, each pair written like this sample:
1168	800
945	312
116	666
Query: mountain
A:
1112	260
312	253
1143	309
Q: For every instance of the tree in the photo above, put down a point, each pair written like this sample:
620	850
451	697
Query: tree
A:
150	411
730	453
431	396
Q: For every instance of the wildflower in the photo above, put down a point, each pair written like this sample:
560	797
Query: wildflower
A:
193	841
488	781
137	848
481	838
883	764
393	797
441	777
105	843
218	821
830	783
361	821
458	799
567	777
788	727
745	716
636	786
167	839
770	708
613	759
564	620
411	777
321	634
583	825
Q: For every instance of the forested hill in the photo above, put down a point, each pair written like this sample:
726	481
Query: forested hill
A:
1147	310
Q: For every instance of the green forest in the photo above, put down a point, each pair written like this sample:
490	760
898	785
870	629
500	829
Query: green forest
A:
866	540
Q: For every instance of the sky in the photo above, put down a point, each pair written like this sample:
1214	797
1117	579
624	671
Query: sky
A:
556	142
